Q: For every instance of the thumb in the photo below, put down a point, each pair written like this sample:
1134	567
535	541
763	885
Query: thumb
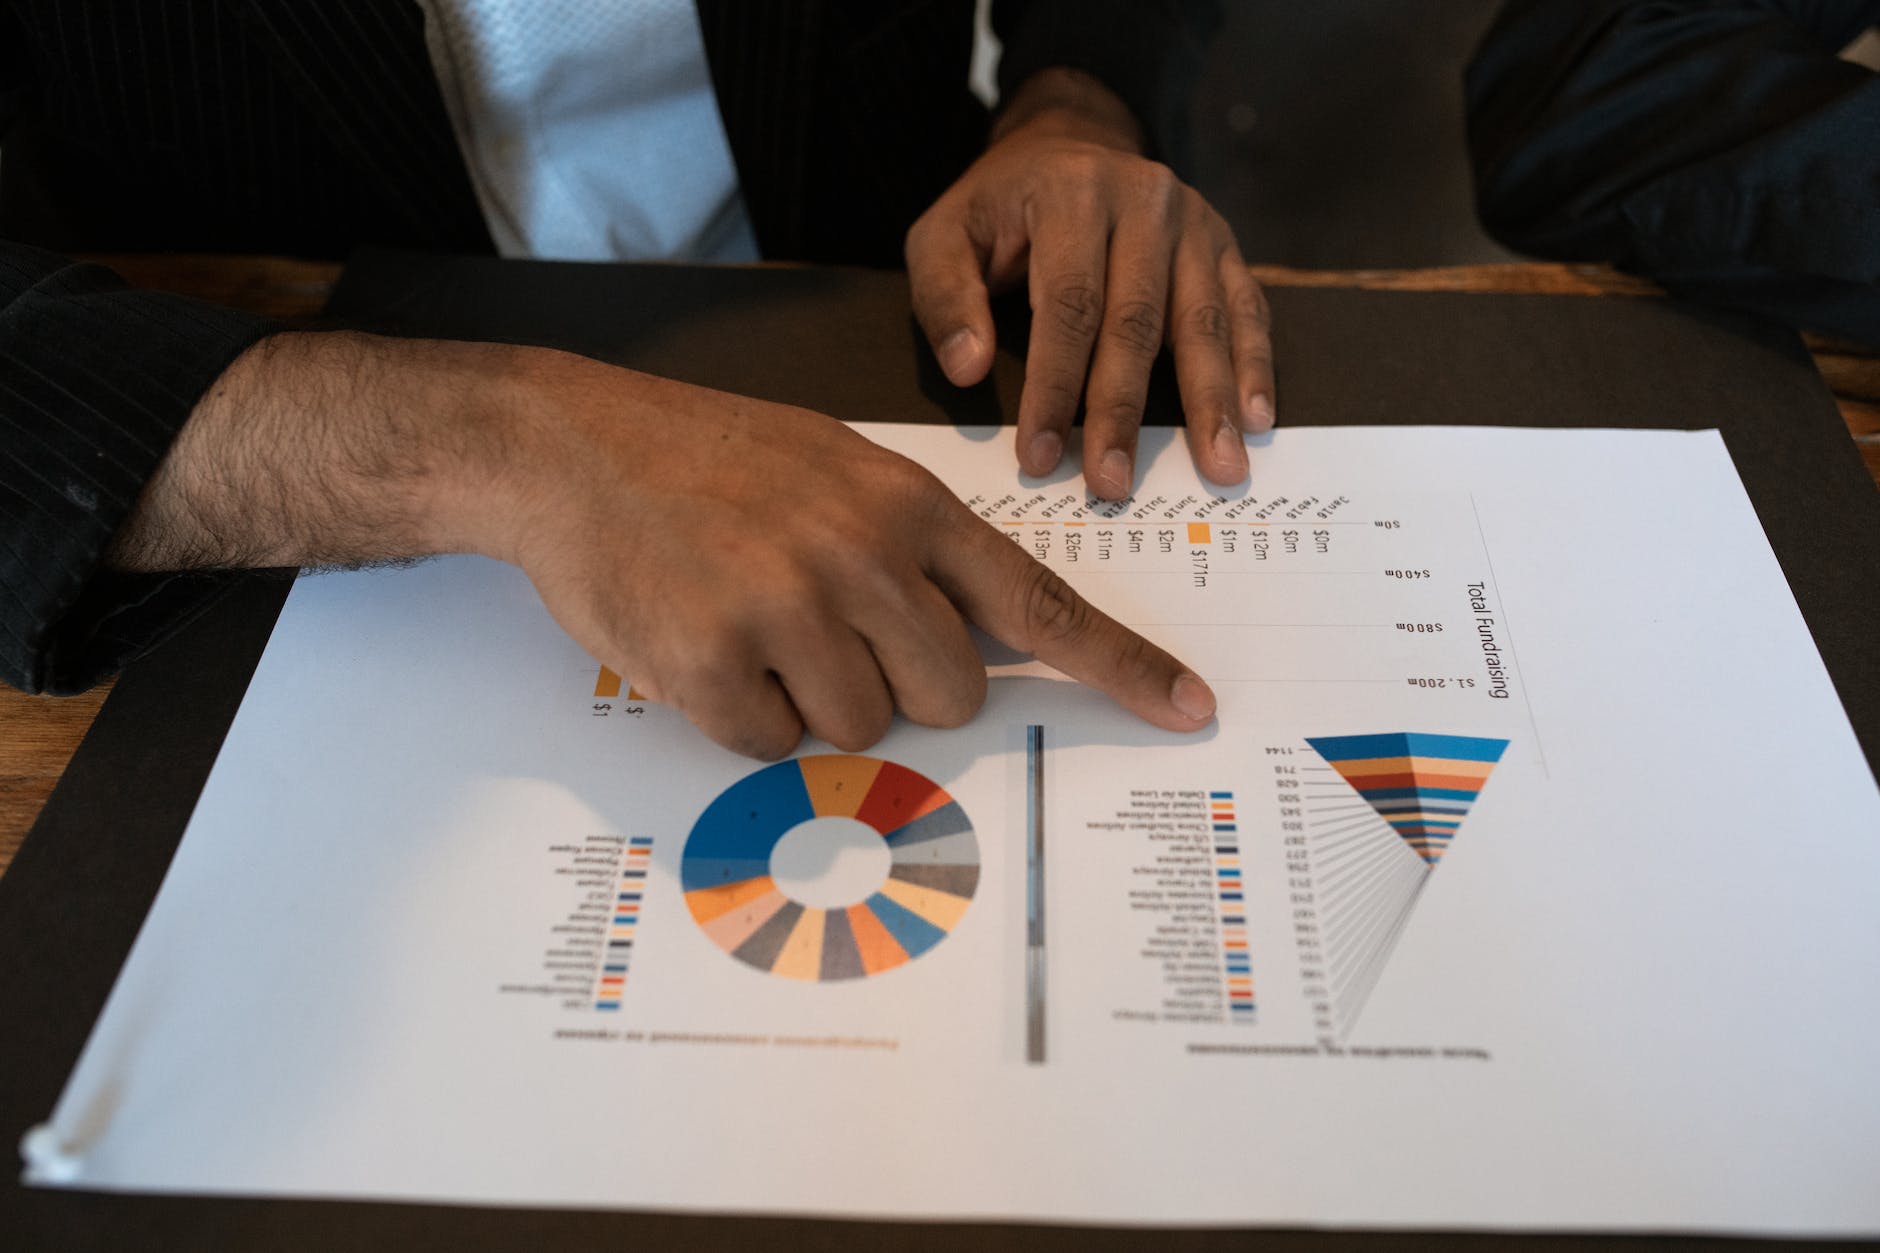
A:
946	273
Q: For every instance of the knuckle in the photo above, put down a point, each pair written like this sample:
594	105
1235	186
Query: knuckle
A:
1201	217
731	710
1255	356
1136	325
923	229
772	743
1081	171
906	480
1206	323
1138	662
1052	613
951	704
911	491
1250	306
1076	307
1118	416
860	728
789	591
1058	392
714	649
1217	400
1161	190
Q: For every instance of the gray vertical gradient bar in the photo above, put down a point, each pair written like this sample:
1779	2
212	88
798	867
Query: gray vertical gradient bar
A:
1034	896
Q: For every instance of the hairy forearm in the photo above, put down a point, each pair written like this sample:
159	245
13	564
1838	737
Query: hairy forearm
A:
328	449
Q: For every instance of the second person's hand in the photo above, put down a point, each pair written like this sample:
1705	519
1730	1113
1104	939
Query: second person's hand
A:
1120	257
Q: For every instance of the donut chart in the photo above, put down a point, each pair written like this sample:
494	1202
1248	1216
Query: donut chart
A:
933	869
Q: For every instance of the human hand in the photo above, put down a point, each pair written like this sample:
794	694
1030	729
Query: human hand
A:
761	568
819	581
1120	257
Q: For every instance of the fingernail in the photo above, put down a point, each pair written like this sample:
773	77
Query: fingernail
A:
1115	470
958	353
1191	697
1047	448
1231	452
1259	413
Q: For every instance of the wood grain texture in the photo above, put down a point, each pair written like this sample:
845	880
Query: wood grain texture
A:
39	734
1543	278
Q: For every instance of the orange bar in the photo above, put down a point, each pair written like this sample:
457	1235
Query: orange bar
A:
1200	533
1413	765
1076	524
1454	782
607	684
633	693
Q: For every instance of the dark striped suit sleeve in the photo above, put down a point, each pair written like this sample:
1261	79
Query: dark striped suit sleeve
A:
1148	52
95	382
1719	146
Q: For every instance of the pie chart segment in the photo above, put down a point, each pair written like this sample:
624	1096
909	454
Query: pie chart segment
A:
942	909
710	903
838	783
763	946
913	933
876	946
898	797
957	880
732	839
958	849
934	824
732	928
801	954
933	868
841	956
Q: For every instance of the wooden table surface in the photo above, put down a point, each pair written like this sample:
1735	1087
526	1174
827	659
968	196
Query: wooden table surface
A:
39	733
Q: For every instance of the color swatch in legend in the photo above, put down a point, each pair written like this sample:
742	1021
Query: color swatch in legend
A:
1232	890
629	894
933	868
1422	785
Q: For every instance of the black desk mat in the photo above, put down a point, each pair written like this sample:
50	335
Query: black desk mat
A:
842	341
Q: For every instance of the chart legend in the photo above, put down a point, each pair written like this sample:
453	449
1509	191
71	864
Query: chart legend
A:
628	898
1231	887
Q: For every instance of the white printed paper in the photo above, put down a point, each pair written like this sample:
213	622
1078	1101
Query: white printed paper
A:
1530	878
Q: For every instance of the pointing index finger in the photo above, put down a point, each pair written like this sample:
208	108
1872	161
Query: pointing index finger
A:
1025	604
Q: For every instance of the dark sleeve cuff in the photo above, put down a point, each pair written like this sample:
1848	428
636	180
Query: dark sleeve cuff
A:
1147	51
1720	148
97	380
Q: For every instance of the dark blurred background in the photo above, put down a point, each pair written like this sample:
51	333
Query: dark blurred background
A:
1329	132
